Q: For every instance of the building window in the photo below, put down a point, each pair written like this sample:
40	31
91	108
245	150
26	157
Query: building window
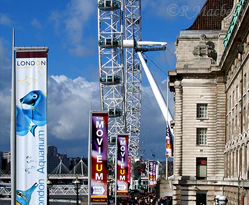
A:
202	110
201	197
201	168
201	136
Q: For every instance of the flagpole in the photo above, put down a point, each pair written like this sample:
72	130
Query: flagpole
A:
13	126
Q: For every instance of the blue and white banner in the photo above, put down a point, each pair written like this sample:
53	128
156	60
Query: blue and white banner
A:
31	127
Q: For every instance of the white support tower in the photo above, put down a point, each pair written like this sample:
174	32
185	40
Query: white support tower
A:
133	84
111	67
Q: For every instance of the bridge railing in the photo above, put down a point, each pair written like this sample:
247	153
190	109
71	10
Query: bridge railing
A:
54	190
5	191
68	190
53	176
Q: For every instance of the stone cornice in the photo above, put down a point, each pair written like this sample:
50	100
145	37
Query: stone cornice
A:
224	182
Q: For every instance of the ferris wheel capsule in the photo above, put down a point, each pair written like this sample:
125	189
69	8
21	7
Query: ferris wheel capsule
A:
115	112
109	42
109	5
110	79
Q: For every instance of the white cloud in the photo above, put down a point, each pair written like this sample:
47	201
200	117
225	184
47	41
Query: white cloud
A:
73	22
5	20
5	106
56	17
5	95
69	106
36	24
77	14
5	68
70	101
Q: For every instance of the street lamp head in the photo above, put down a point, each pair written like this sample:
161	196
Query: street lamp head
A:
76	181
223	200
49	183
216	198
220	199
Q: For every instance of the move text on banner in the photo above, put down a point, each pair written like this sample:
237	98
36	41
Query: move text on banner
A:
152	173
169	142
99	158
122	155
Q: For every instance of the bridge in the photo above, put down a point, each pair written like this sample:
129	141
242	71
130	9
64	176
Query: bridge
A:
62	185
62	180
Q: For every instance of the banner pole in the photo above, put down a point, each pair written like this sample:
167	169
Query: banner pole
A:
13	126
148	164
89	160
116	169
166	168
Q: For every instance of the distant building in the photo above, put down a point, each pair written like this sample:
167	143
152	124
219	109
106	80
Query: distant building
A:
54	159
211	124
1	161
73	161
78	165
56	163
5	158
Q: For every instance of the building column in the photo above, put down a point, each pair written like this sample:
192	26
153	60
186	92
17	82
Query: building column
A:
243	168
232	163
239	163
247	164
178	130
226	166
229	165
236	163
220	128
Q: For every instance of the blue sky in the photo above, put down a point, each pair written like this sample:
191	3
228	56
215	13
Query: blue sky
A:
69	29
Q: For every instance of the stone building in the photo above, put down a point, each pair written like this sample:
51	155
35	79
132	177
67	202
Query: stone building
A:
57	163
5	158
211	88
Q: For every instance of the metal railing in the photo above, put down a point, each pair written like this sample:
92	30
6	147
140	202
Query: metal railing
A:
55	190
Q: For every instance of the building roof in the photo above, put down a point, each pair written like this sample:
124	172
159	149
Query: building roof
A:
211	15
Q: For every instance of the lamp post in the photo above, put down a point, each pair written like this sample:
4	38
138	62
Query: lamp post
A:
76	182
49	185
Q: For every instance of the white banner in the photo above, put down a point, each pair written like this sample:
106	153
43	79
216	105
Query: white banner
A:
31	127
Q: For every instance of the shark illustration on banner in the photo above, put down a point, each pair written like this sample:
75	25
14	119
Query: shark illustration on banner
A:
23	197
27	119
